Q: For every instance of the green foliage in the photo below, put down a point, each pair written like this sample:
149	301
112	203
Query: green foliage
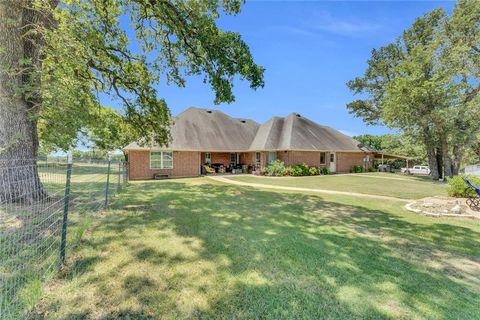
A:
357	169
313	171
31	293
299	170
325	170
398	144
426	84
275	168
86	52
458	188
79	231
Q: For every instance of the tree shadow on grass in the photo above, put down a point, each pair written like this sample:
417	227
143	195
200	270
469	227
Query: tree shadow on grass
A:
221	252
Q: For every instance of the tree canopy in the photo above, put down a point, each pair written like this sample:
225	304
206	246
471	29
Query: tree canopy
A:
426	83
86	50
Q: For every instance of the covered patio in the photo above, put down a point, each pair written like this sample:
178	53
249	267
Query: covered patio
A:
384	158
229	162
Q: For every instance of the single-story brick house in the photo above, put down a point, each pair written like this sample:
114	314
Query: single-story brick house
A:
201	136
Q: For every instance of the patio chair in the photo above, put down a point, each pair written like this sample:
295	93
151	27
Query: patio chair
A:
209	169
473	200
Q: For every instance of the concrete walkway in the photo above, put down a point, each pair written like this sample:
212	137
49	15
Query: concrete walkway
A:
266	186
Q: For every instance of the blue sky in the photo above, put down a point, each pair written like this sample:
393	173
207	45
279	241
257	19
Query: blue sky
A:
310	49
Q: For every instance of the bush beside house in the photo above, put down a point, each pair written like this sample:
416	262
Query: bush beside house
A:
357	169
278	168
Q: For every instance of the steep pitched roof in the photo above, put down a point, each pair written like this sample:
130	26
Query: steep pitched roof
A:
295	132
198	129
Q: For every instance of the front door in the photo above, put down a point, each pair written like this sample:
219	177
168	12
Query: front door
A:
333	162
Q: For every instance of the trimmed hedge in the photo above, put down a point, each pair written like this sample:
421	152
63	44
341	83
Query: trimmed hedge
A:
458	188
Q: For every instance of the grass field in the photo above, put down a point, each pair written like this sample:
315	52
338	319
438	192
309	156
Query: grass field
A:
385	184
194	248
30	233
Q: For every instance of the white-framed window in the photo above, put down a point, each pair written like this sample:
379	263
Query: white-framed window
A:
323	157
257	159
332	157
208	158
161	159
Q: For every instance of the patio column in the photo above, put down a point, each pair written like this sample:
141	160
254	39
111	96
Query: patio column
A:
382	158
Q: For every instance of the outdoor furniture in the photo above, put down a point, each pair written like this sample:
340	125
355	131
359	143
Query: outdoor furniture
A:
209	169
474	200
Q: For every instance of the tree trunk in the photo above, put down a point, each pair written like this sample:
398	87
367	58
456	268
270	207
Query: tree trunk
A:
439	155
432	161
458	153
19	180
447	160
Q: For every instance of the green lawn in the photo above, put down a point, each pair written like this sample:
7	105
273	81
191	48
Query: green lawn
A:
385	184
30	233
194	248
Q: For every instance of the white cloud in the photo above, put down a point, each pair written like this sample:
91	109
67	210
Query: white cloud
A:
323	21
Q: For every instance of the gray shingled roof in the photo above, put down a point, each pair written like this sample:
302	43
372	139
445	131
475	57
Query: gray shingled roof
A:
295	132
198	129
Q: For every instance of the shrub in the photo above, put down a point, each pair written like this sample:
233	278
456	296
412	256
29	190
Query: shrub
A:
458	188
325	170
275	168
313	171
299	170
356	169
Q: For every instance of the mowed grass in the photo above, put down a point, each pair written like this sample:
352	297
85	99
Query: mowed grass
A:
385	184
194	248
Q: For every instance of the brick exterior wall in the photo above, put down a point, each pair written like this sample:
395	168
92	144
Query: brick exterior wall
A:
223	158
185	164
247	158
346	160
311	158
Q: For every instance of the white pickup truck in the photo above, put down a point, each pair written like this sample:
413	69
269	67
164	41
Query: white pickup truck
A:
418	170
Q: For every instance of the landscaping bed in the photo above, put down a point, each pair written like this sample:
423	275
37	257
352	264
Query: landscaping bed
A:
443	207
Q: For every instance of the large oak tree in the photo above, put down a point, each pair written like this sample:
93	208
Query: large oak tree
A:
427	84
56	57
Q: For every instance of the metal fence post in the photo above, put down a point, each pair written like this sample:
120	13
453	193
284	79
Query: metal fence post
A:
65	209
108	182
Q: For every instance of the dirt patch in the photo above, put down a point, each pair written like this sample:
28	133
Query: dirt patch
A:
443	207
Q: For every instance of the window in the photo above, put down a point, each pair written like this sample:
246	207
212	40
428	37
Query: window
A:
208	158
332	157
272	156
161	160
233	158
257	159
323	157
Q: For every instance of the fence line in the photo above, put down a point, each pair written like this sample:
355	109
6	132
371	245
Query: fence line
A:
43	207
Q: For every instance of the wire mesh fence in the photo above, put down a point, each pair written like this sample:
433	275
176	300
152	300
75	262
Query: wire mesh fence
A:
45	206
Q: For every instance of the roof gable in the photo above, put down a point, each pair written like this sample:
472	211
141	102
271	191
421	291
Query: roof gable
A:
198	129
